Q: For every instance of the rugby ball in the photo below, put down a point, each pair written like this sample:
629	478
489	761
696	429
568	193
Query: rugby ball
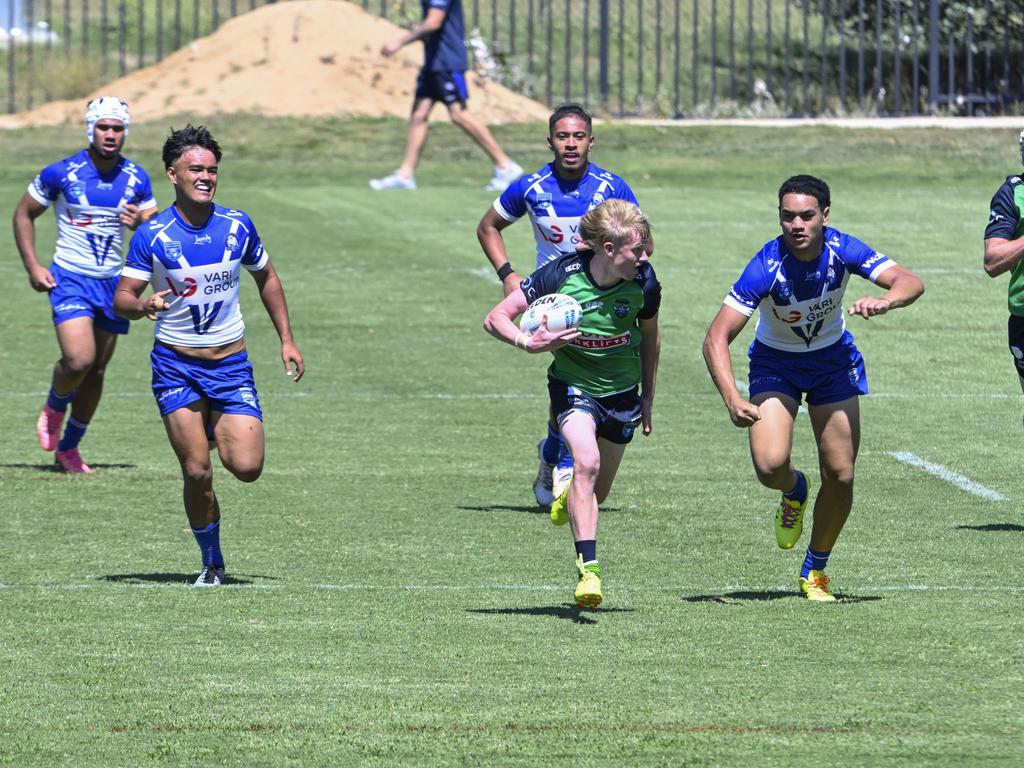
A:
561	311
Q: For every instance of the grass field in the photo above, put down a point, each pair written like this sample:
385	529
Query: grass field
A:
396	598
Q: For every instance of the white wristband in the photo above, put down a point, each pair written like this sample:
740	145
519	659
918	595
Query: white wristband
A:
524	337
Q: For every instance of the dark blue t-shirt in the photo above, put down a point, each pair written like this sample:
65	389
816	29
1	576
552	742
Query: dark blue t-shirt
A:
445	50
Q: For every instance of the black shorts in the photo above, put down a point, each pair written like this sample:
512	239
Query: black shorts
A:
616	416
1015	333
447	86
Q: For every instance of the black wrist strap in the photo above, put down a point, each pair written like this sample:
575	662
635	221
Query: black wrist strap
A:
504	270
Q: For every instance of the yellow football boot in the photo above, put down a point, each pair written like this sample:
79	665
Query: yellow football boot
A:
815	587
588	588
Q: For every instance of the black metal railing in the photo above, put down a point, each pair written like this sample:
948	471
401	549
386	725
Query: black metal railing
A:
656	58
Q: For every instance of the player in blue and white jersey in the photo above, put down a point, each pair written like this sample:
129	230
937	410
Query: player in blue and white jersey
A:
442	78
193	254
802	347
555	198
95	195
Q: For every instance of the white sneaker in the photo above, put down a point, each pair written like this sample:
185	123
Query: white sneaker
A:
504	176
211	576
542	485
393	181
561	477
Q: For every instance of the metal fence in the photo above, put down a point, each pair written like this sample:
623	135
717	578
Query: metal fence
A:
658	58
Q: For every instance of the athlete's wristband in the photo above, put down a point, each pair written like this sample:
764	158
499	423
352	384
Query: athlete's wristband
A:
504	270
524	337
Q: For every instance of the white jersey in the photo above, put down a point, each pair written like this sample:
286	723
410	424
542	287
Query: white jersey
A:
87	203
202	266
556	205
801	302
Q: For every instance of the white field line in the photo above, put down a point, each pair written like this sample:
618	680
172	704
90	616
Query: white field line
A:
684	590
951	477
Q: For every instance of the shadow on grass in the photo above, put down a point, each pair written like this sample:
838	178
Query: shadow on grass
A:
535	509
748	596
570	612
176	578
992	527
51	467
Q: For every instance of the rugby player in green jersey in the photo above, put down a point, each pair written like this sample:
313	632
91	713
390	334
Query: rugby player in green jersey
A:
602	377
1004	252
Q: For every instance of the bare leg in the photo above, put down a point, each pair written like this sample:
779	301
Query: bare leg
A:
240	444
77	342
580	434
480	133
771	441
186	430
89	391
837	431
416	138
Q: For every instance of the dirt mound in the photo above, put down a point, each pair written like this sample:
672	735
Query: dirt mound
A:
302	58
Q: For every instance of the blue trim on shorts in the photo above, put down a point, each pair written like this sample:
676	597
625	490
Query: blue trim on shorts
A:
616	416
827	375
227	385
447	86
77	295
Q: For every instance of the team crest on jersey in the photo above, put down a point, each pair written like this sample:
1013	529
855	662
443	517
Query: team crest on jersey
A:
76	189
231	242
596	200
172	248
784	290
621	308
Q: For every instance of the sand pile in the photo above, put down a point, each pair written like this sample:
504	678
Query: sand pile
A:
302	58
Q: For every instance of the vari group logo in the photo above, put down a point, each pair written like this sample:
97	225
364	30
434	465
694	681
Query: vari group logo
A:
187	289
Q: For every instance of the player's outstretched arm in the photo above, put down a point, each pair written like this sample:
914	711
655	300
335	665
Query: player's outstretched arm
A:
723	330
650	355
25	214
903	288
434	19
128	301
488	232
272	295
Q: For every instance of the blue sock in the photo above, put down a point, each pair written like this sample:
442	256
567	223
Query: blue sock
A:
799	492
587	548
208	539
59	402
564	456
73	434
814	561
549	449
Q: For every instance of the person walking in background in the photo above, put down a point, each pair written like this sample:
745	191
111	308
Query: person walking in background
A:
96	194
442	78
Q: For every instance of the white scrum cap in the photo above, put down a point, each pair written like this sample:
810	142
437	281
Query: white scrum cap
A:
105	107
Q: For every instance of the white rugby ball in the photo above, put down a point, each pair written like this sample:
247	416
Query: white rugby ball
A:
561	311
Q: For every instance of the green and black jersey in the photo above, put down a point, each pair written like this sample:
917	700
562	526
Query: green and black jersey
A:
1005	221
605	359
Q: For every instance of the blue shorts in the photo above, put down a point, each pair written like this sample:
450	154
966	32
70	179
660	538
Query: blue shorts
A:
826	375
78	295
617	416
227	385
447	86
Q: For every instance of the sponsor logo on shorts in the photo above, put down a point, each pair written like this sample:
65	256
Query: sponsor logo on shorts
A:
172	392
247	395
854	376
628	430
589	341
69	307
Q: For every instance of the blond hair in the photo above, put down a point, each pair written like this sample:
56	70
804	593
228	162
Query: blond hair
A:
615	222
